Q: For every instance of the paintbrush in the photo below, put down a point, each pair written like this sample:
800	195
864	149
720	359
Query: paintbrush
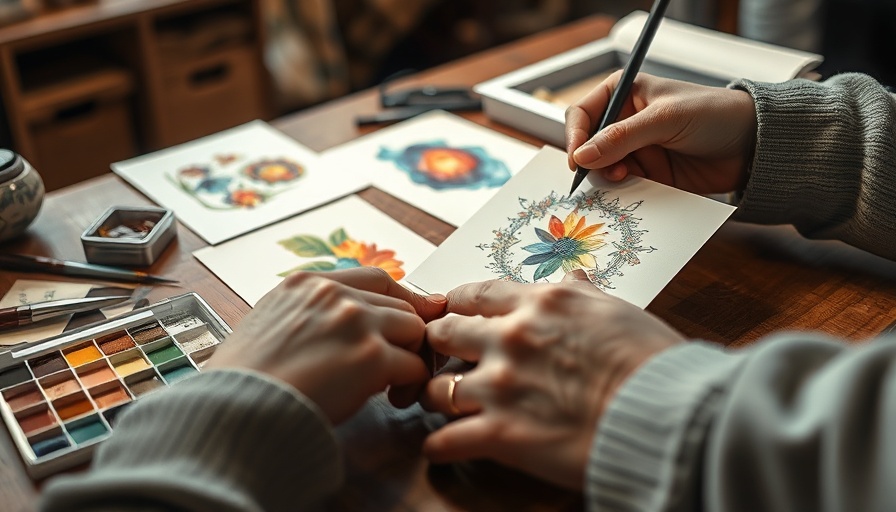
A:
620	95
24	263
17	316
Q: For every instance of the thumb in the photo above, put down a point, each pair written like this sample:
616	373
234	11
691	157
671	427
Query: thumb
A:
578	278
575	276
429	307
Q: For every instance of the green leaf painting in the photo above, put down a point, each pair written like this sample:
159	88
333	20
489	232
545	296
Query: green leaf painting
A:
337	237
307	246
340	251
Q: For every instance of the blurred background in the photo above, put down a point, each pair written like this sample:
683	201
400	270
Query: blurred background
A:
88	82
379	37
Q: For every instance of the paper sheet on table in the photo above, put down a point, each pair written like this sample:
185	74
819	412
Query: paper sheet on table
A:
238	180
345	234
631	237
438	162
27	291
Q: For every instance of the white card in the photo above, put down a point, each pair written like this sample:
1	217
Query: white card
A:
348	233
27	291
630	237
438	162
236	181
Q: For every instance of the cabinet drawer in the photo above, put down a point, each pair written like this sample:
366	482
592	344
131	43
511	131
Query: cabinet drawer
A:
81	140
210	93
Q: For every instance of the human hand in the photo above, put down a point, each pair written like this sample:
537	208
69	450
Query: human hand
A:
550	357
693	137
338	337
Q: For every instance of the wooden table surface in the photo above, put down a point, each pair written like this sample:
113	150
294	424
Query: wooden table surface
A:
746	282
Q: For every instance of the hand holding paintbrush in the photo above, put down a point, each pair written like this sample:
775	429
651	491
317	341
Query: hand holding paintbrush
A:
621	93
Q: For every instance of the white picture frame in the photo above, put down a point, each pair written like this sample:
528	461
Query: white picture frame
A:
679	51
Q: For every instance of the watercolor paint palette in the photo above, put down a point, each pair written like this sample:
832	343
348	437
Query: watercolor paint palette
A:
60	397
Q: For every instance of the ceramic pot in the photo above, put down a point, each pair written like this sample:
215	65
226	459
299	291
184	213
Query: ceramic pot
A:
21	194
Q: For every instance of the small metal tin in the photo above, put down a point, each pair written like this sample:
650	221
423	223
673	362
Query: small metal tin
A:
133	250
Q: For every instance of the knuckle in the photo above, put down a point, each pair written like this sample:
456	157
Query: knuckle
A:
348	311
551	297
407	308
615	77
300	278
376	273
514	333
481	292
417	326
323	290
502	378
439	332
373	350
615	134
495	437
527	333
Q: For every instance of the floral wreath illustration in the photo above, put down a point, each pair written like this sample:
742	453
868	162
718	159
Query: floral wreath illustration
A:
569	243
340	251
199	181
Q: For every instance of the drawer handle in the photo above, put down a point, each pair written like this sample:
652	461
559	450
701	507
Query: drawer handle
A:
209	75
75	111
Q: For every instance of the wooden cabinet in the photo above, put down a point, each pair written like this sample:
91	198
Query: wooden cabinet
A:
88	85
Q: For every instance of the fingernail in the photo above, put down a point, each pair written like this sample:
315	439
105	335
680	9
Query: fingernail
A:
438	297
587	153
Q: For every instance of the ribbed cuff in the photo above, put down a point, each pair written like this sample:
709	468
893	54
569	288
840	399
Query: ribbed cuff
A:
644	455
222	440
807	165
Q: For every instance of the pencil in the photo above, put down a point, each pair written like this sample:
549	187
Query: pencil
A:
620	95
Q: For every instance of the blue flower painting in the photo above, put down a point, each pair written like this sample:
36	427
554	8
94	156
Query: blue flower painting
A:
440	166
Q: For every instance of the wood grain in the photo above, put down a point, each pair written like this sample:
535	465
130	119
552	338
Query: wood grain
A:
746	282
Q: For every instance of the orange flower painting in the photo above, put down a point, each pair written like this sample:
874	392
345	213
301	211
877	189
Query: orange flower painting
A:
341	252
568	244
225	188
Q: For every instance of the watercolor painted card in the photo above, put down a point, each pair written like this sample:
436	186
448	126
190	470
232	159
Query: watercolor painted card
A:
630	237
438	162
236	181
348	233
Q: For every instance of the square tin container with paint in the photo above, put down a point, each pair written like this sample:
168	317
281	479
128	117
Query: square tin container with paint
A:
129	235
534	98
60	397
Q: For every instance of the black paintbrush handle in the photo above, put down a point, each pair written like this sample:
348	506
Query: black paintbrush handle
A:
620	94
23	263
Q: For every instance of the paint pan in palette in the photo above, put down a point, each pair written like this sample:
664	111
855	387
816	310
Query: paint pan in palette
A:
61	397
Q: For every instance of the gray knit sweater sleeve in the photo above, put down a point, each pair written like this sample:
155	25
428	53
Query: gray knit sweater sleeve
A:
798	422
825	160
222	440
